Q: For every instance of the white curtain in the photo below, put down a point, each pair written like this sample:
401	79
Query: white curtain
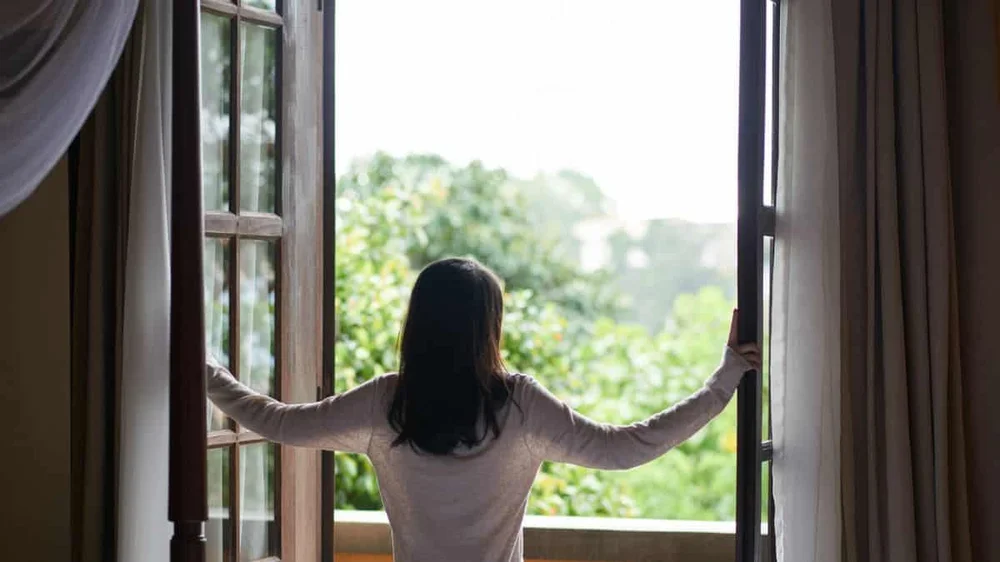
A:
806	307
143	528
55	58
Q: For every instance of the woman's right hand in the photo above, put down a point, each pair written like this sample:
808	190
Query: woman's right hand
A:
749	351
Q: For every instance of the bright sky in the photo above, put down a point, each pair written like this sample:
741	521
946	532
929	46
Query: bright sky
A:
639	94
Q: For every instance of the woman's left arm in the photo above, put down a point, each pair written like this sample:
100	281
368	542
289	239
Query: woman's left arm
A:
342	422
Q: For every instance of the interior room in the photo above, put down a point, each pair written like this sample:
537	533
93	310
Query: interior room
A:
257	187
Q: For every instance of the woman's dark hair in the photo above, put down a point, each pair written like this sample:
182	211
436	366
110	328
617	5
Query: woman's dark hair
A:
451	374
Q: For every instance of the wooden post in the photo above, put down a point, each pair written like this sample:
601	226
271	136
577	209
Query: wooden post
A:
188	507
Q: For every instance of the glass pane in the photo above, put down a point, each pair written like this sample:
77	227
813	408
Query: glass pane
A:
258	118
217	313
215	68
257	314
765	374
768	99
765	491
270	5
258	525
218	531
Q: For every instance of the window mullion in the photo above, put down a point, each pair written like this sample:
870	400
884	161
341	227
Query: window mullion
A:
329	319
235	337
235	112
234	502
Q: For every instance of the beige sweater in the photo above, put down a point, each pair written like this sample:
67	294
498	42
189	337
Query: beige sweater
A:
469	507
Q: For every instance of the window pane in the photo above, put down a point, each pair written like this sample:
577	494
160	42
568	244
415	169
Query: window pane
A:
257	314
258	118
217	313
218	531
768	195
766	339
258	525
269	5
215	125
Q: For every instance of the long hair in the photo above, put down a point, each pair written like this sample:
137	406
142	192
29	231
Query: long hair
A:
451	374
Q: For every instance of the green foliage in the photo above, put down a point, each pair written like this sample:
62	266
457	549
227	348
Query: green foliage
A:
439	210
392	216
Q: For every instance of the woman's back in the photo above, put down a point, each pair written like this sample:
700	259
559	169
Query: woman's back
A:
464	506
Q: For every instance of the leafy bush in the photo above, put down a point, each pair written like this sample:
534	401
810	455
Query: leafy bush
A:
393	216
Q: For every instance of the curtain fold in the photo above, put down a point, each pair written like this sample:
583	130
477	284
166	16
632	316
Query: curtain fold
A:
974	123
144	530
100	168
57	57
905	491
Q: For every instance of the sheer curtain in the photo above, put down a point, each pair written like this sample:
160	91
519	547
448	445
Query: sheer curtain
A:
257	279
806	340
57	57
143	529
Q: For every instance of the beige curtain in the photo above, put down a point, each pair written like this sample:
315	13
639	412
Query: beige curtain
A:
904	489
100	179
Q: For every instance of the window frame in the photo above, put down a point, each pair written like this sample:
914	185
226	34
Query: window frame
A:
749	271
233	227
295	229
756	228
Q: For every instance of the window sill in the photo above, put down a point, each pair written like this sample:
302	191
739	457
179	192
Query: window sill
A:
570	538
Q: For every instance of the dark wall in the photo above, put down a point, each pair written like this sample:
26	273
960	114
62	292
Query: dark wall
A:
34	375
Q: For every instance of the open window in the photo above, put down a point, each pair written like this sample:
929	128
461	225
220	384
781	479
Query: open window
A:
271	278
406	82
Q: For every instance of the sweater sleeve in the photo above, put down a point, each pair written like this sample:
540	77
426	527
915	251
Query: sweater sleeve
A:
556	432
342	422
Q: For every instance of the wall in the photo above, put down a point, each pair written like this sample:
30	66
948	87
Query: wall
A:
34	375
974	91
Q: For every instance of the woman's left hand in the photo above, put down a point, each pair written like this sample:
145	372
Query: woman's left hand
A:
748	351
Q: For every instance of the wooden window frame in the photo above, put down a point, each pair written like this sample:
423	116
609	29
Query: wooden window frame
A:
296	229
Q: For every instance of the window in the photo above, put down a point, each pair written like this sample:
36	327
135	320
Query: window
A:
259	134
549	138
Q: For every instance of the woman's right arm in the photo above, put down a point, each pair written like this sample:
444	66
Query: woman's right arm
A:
556	432
342	422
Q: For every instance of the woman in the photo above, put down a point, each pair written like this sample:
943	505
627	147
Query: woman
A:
455	439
